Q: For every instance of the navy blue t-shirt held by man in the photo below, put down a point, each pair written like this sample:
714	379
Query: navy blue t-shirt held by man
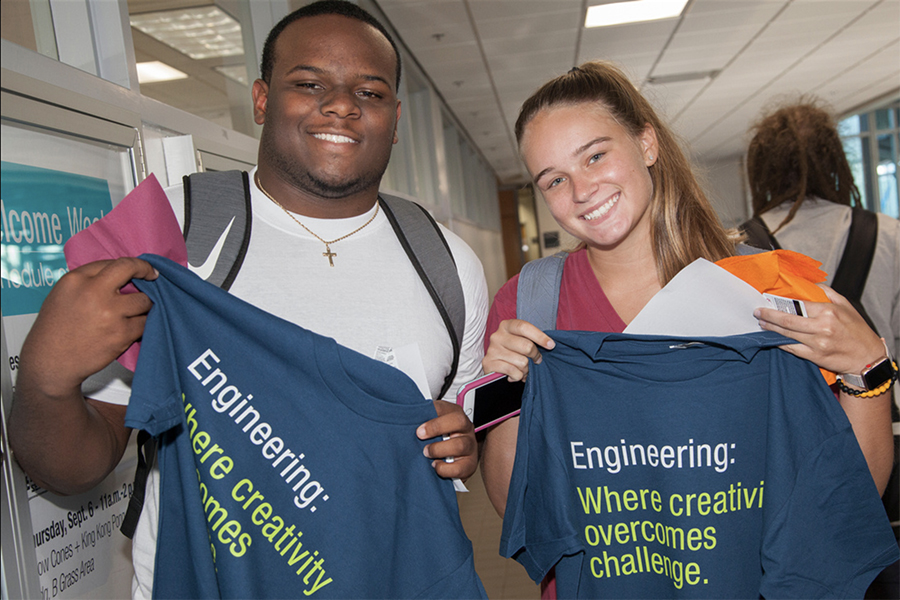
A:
289	464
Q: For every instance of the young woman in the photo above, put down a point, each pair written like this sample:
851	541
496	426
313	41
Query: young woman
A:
614	177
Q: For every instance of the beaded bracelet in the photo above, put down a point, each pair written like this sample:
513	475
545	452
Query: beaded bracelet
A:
871	393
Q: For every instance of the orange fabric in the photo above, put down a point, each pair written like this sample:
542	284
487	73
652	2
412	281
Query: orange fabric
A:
783	273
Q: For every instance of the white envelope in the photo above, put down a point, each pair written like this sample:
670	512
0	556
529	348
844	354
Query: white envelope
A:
702	300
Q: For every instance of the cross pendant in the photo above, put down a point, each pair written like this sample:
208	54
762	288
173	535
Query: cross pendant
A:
330	255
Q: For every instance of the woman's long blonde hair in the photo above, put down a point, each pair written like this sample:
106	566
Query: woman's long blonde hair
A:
684	225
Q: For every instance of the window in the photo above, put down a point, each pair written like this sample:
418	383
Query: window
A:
418	114
82	34
199	59
871	144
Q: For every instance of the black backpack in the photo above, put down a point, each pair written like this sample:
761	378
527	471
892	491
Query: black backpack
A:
853	268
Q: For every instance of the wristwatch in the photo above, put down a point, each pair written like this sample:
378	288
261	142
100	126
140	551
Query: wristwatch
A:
874	375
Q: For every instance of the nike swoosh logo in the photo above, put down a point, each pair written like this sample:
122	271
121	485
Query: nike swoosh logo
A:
206	269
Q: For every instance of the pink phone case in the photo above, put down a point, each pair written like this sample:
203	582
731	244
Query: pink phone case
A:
477	383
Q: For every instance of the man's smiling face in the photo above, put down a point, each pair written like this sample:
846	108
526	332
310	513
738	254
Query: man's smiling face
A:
330	109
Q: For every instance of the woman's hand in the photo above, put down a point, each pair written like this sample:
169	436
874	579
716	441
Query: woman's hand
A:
512	345
833	336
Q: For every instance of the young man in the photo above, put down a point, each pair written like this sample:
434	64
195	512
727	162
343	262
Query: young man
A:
322	255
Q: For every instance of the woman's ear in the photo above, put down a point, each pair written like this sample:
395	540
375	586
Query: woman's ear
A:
649	145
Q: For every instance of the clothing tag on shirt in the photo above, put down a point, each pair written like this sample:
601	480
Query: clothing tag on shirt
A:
686	345
386	355
409	360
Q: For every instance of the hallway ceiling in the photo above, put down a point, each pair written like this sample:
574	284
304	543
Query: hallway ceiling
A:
487	56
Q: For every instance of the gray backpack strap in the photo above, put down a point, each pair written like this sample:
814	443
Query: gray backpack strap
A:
748	250
537	294
217	220
430	254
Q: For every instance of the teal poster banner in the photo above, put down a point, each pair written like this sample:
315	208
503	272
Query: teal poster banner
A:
42	209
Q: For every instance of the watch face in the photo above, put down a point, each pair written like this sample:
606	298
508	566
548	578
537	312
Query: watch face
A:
879	374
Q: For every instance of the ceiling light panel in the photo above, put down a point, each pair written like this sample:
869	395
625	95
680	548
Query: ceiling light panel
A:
619	13
155	71
683	77
200	32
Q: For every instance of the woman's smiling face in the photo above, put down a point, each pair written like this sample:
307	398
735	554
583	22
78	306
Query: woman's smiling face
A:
592	172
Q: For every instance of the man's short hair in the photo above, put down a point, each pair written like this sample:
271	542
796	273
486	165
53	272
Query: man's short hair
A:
323	7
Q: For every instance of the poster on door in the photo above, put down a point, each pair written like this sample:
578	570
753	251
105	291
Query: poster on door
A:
77	544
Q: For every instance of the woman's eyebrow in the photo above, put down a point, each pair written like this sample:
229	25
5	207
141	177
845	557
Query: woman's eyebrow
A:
598	140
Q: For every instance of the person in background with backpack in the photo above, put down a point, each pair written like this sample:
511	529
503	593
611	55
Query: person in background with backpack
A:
614	177
805	200
322	254
802	191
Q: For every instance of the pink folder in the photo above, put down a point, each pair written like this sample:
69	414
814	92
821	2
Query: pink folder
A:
143	222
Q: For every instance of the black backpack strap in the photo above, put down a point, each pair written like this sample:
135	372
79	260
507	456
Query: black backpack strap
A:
758	234
850	281
853	270
430	254
146	446
856	261
217	220
537	293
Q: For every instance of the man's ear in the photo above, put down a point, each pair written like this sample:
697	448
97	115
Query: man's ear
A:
260	93
396	123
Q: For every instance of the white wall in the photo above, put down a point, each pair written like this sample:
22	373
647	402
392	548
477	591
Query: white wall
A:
726	184
488	245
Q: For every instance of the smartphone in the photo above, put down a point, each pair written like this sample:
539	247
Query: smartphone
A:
491	399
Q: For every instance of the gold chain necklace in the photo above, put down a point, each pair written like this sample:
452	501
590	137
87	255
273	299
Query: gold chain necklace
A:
328	253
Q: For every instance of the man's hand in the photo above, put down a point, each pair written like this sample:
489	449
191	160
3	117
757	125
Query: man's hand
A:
86	323
451	422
